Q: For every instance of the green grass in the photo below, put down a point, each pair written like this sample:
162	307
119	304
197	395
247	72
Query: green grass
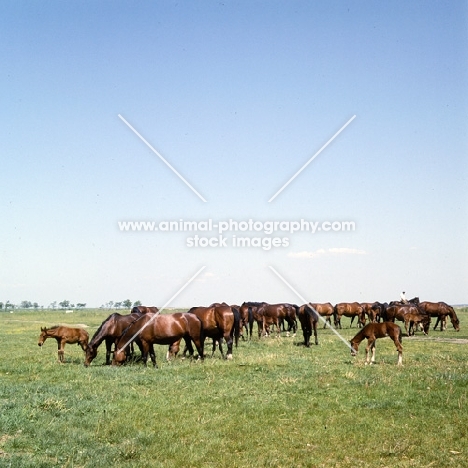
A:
276	404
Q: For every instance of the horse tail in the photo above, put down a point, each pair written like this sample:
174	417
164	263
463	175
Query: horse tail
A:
236	327
251	320
400	335
202	338
335	314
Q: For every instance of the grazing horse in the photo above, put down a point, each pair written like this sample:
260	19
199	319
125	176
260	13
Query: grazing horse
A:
276	314
109	331
411	315
167	329
219	321
308	317
441	310
64	335
325	310
372	331
349	309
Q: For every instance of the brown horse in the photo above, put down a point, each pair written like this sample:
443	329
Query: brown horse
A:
249	314
369	311
64	335
441	310
109	331
411	315
308	317
349	309
219	322
324	310
276	314
166	329
372	331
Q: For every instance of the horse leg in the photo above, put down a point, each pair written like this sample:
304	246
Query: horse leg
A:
373	352
188	347
152	354
370	345
60	347
108	352
406	327
399	348
229	342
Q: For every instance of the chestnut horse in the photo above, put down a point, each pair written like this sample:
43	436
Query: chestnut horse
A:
441	310
220	321
109	331
349	309
372	331
308	317
166	329
324	310
64	335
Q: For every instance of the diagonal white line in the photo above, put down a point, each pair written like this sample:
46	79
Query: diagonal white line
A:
347	343
162	158
312	158
162	308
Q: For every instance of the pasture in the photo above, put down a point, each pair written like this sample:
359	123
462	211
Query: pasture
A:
276	404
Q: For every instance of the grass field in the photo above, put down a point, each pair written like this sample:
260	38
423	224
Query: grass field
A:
276	404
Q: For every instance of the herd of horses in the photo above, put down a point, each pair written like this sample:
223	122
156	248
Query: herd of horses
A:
223	323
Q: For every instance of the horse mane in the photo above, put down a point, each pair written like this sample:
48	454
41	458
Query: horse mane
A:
98	331
126	329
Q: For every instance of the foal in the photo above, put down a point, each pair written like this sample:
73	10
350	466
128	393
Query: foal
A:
372	331
64	335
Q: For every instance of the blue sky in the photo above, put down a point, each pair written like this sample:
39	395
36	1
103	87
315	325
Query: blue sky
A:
237	96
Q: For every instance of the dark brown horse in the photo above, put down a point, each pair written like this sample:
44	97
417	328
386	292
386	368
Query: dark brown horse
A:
325	310
308	318
352	310
64	335
410	315
275	315
372	331
441	310
249	314
219	322
162	329
110	331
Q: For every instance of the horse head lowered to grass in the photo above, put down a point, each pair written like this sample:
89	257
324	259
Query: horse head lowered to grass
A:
372	331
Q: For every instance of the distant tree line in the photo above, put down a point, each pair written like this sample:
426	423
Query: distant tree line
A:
126	304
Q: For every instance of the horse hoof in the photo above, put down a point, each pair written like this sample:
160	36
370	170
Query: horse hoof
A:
229	357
